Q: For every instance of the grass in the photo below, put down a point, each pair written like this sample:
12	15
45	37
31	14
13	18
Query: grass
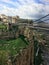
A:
9	48
38	58
2	26
13	46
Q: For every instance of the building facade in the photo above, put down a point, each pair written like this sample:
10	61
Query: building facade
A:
8	19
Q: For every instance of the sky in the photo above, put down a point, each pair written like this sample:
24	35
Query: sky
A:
33	9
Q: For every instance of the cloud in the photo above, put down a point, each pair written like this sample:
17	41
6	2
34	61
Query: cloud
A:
46	1
24	8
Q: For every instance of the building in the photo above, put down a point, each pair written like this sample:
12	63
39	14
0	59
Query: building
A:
8	19
4	18
14	19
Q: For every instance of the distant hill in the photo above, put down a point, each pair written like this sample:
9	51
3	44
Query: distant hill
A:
41	22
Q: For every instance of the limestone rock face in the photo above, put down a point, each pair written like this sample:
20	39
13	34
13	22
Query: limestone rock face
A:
28	33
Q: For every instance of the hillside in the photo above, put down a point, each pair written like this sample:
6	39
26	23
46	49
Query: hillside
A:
10	48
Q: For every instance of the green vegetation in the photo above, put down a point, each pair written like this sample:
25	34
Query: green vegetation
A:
3	26
12	45
11	48
3	57
38	58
